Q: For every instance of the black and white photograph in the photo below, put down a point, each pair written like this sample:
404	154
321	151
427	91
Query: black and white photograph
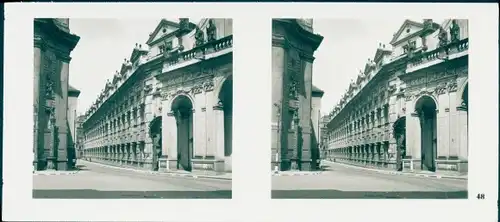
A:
129	111
132	108
370	108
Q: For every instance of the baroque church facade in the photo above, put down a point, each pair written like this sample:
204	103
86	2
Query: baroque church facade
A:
407	110
169	107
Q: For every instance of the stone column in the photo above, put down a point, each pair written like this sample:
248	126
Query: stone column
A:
134	152
170	132
443	127
200	122
219	137
278	61
413	136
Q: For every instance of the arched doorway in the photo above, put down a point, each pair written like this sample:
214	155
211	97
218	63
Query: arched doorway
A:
426	110
182	107
155	133
399	132
226	98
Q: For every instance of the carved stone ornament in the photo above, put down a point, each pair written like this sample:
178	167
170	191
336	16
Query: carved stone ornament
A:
443	37
454	31
199	37
49	69
208	86
197	89
165	95
183	23
409	97
293	73
451	86
211	31
440	89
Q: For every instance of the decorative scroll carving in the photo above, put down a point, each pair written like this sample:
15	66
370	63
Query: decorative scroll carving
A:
199	37
452	86
440	89
208	86
197	89
165	95
409	97
211	31
454	31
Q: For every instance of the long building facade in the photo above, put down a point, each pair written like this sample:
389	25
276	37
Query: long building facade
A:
295	125
169	107
407	110
53	44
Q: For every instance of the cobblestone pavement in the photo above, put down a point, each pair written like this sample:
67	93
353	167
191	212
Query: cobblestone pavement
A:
95	181
340	181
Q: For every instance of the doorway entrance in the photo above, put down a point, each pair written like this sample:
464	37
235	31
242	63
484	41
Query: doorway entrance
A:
426	110
155	133
400	136
182	107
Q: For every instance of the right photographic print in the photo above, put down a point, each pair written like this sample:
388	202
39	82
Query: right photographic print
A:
366	108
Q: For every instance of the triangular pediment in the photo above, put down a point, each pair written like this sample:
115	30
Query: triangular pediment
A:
163	28
407	29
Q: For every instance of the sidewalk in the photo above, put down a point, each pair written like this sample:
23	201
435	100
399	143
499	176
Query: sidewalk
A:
417	173
225	176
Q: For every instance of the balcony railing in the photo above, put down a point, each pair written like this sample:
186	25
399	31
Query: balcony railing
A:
207	48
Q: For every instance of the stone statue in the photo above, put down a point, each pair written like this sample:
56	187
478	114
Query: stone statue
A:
443	37
184	23
427	23
292	88
49	91
211	31
199	37
454	31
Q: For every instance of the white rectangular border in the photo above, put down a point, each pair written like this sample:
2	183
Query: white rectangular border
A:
252	66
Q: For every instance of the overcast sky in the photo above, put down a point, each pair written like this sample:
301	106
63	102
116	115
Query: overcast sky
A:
347	45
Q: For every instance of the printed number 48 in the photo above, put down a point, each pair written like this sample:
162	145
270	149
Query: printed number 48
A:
480	196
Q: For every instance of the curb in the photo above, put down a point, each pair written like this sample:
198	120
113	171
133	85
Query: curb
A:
280	174
163	173
54	173
402	173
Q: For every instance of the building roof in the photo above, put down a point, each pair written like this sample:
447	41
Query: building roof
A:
317	91
72	91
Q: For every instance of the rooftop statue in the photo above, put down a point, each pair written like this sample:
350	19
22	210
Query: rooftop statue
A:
211	31
454	31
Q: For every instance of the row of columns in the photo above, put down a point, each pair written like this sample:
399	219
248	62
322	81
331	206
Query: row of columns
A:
129	153
374	153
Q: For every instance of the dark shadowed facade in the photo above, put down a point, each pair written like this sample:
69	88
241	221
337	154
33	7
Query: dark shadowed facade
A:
294	144
53	44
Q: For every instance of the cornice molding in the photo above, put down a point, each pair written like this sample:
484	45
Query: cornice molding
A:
47	31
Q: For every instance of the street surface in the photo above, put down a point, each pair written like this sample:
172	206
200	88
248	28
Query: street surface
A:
96	181
340	181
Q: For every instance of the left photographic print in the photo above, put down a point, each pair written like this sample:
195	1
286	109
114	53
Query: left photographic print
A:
132	108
